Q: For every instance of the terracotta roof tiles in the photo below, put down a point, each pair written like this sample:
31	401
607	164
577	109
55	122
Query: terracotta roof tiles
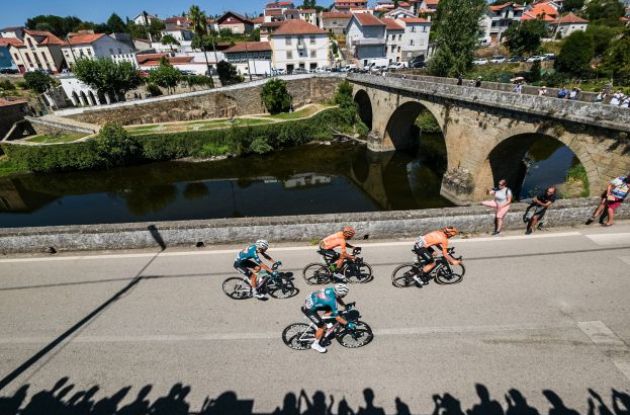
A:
366	19
298	27
249	47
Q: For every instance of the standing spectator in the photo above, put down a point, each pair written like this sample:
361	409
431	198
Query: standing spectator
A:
460	81
575	92
539	204
518	88
612	198
616	98
542	92
478	82
563	93
501	204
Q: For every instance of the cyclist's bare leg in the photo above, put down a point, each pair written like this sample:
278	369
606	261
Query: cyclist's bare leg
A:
319	333
428	267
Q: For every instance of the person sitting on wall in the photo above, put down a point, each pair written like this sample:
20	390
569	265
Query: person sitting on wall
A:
611	199
538	208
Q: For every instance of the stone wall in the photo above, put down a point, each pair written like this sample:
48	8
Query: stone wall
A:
393	224
218	103
10	112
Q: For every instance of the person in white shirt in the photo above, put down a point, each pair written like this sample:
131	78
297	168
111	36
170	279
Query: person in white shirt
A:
501	204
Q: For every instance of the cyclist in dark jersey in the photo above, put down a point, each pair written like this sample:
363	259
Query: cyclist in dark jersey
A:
249	263
325	301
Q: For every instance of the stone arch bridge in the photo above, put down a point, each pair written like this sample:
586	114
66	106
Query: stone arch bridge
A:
487	132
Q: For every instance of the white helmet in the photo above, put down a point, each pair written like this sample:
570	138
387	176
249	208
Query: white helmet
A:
341	290
262	244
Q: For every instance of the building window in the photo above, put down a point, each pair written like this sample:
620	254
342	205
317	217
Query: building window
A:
413	28
399	37
30	42
313	54
111	51
289	54
287	40
312	40
119	51
410	42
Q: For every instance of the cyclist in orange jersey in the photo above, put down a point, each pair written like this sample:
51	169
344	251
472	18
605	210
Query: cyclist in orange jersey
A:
338	240
425	249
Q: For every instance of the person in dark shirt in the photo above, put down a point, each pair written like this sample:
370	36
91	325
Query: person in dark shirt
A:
540	204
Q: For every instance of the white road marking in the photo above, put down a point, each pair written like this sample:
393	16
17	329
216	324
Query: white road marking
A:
623	366
625	259
600	334
402	331
605	239
278	249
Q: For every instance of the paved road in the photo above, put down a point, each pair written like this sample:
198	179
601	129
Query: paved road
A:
548	312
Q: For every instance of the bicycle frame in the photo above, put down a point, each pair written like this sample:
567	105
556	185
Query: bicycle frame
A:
308	337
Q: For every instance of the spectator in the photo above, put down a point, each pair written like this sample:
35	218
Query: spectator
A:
478	82
601	97
575	92
539	204
563	93
460	81
626	102
611	199
501	204
542	92
518	88
616	98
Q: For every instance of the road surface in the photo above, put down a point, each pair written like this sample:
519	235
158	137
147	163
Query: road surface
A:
546	317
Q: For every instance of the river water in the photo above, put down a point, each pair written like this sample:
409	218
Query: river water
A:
311	179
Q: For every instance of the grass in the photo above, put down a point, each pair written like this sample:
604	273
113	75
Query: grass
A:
8	167
304	112
55	139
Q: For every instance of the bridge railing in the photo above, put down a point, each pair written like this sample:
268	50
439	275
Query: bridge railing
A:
588	113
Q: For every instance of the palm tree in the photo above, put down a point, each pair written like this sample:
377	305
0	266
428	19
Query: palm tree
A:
169	40
199	23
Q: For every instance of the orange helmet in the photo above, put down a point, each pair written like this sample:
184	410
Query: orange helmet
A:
450	231
348	232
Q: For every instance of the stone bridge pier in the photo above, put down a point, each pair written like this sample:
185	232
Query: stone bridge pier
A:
487	133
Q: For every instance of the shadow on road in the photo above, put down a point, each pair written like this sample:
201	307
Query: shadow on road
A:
64	399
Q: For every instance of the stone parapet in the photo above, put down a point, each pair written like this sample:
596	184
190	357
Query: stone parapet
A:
379	225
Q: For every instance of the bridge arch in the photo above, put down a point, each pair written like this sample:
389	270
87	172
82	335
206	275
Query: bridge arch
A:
364	104
401	129
506	158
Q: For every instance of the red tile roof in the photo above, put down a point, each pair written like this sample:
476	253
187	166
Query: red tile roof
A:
366	19
570	18
279	4
336	15
403	4
390	24
173	60
504	5
431	2
271	25
84	38
415	20
531	16
298	27
249	47
146	57
307	11
546	9
44	38
259	20
10	41
176	19
226	16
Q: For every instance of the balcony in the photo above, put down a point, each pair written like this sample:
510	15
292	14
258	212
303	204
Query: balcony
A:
369	41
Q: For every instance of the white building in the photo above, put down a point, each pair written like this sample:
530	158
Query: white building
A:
568	24
12	33
365	37
399	13
80	94
99	45
144	19
40	50
251	58
179	33
393	40
415	41
298	44
496	21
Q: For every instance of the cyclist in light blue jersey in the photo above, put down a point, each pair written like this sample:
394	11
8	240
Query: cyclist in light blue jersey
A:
248	262
325	301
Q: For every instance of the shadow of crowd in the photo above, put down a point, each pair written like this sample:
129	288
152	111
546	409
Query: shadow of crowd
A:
63	399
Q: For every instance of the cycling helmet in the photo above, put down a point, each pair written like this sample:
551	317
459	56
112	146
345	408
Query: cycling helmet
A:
450	231
341	290
262	244
348	231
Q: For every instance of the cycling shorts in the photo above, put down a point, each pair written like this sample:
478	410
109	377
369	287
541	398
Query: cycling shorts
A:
246	266
313	315
425	254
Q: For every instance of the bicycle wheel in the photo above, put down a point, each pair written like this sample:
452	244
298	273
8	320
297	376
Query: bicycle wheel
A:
315	274
358	273
285	289
237	289
359	337
449	274
402	277
298	336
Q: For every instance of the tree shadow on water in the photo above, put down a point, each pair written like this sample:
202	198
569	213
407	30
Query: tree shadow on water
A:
63	398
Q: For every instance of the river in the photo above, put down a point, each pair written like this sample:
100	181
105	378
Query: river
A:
311	179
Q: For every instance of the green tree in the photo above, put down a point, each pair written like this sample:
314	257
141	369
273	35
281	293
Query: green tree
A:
576	55
166	76
572	5
109	78
457	36
534	74
115	147
169	40
227	73
525	37
602	36
38	81
57	25
605	12
199	22
199	80
155	29
275	96
616	60
115	24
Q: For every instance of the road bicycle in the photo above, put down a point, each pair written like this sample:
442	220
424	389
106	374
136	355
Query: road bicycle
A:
442	273
355	270
300	336
277	284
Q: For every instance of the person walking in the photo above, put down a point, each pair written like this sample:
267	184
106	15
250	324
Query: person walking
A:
501	204
616	192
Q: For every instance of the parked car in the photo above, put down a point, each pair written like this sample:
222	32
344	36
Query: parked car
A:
419	58
299	71
535	58
550	56
377	68
498	59
9	71
481	61
515	59
417	64
396	65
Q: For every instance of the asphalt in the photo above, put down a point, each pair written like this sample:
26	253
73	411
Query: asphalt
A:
546	316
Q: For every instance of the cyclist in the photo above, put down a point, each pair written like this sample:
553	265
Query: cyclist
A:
338	240
425	249
249	263
325	301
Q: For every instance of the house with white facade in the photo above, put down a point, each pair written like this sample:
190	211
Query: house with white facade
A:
399	13
299	44
12	33
179	33
365	38
309	15
144	19
348	5
251	58
415	40
40	50
393	40
496	21
335	22
567	24
94	46
234	22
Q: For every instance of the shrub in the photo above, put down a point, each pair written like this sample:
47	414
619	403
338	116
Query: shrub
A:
154	90
115	147
576	54
38	81
275	96
260	145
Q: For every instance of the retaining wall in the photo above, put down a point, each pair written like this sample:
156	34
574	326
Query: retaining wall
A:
287	228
